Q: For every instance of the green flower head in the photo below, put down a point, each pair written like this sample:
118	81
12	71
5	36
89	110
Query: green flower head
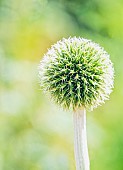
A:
77	72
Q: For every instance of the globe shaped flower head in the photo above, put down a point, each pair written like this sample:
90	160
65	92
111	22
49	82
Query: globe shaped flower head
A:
77	72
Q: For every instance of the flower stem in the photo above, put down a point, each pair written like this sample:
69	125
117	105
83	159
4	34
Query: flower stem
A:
80	140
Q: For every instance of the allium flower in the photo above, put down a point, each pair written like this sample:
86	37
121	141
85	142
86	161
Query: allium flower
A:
77	72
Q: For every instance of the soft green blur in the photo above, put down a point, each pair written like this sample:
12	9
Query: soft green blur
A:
35	134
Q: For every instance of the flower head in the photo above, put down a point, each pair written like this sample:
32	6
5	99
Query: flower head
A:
77	72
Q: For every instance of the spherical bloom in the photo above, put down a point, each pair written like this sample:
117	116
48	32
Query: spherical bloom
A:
77	72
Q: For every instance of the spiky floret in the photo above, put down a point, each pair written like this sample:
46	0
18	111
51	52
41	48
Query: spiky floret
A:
77	72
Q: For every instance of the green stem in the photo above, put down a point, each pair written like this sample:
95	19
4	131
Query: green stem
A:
80	140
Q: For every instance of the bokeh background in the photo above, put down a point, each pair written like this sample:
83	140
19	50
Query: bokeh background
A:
34	133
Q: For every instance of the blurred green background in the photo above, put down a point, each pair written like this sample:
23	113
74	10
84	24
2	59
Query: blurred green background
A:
34	133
